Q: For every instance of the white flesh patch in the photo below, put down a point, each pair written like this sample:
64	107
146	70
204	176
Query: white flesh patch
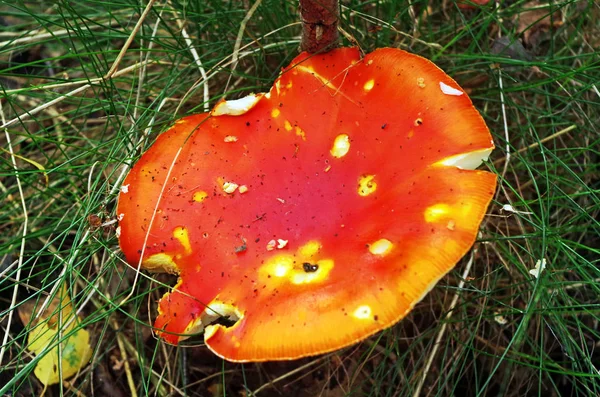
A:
446	89
467	161
212	312
236	107
281	243
215	310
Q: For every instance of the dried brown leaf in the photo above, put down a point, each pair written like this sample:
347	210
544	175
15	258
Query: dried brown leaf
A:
538	18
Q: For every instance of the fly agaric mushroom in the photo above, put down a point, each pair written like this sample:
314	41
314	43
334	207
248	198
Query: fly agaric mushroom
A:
359	193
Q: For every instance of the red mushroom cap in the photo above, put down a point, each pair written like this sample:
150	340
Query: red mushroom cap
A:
314	215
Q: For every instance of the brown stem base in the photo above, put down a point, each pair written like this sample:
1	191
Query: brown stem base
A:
319	25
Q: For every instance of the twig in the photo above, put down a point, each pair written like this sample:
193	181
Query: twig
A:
53	292
503	104
61	98
125	47
37	36
238	40
391	27
502	189
68	265
23	235
129	376
288	374
442	331
197	60
541	141
505	124
46	105
144	60
592	283
226	62
88	82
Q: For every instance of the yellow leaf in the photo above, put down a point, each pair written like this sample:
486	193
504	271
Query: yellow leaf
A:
64	346
30	161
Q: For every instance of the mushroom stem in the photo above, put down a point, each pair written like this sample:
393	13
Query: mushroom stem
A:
319	25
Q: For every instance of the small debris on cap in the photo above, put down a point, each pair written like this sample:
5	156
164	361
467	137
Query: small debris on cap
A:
281	243
451	225
271	245
229	187
231	138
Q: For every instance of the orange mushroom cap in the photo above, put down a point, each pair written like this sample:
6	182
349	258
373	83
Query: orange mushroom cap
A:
314	215
471	4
